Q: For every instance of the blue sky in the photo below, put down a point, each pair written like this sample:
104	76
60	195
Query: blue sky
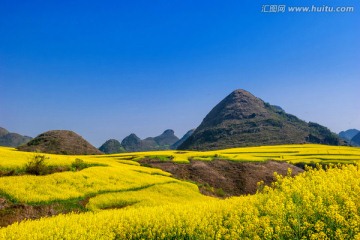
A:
105	69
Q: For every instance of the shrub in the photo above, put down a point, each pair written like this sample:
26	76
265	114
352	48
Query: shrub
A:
78	164
37	165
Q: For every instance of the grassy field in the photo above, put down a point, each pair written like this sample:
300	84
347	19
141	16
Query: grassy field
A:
124	200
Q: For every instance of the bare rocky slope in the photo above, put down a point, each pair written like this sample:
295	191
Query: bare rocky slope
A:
60	142
224	178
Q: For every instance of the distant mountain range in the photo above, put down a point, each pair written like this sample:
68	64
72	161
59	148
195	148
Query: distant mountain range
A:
183	139
112	146
68	142
356	140
239	120
133	143
9	139
242	119
350	136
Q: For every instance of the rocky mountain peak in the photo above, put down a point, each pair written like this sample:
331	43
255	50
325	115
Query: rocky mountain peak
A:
241	119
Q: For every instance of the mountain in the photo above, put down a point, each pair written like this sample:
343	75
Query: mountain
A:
179	142
356	140
348	134
9	139
3	131
166	139
241	119
112	146
60	142
133	143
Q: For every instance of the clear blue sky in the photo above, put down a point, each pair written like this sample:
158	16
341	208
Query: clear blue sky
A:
105	69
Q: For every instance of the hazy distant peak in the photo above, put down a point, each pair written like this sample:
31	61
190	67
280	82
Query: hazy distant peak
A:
3	131
167	138
111	146
183	139
133	143
168	132
133	135
132	138
348	134
10	139
356	140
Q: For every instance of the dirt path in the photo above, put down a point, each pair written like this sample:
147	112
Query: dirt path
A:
11	212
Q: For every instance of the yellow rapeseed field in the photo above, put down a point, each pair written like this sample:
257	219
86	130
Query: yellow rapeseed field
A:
317	204
306	153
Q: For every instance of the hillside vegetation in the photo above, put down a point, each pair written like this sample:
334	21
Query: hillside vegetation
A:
122	200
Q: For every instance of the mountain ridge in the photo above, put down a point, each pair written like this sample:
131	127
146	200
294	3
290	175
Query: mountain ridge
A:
9	139
356	140
241	119
347	135
112	146
132	143
183	139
